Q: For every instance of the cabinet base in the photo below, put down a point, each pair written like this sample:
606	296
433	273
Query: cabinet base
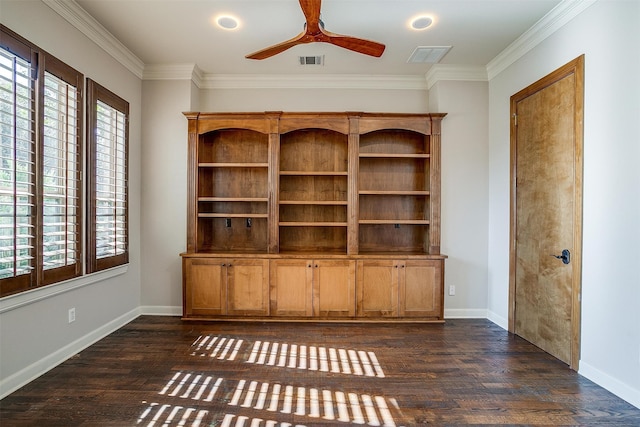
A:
303	320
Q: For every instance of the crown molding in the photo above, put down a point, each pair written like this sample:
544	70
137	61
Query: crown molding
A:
280	81
557	17
439	72
188	71
87	25
315	81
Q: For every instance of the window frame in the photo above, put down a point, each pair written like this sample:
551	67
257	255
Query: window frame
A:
95	93
65	73
21	48
40	63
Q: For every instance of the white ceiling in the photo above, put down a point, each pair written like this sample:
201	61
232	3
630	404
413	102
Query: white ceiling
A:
164	32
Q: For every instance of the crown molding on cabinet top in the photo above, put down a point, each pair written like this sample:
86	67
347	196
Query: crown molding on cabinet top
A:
564	12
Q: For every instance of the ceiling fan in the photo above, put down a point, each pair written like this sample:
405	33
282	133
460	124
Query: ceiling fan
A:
314	32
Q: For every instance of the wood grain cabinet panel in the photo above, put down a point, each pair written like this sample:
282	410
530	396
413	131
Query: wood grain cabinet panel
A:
291	288
204	288
248	287
377	288
334	288
421	289
220	287
313	288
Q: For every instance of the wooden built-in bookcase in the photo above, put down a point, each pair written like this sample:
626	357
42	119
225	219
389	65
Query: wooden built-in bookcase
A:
313	216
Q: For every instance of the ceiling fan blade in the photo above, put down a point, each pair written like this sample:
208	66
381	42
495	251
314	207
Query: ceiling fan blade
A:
366	47
311	10
277	48
314	32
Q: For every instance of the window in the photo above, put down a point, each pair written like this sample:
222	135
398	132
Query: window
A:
42	210
40	170
17	171
108	135
61	156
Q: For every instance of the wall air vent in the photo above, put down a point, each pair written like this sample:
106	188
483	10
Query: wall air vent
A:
428	54
311	60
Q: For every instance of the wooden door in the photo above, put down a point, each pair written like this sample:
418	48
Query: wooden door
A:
334	288
248	287
546	146
291	287
205	290
421	288
377	288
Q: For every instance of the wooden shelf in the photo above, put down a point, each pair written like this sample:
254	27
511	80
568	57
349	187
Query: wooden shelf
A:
393	193
234	165
231	215
313	173
312	224
394	156
315	202
233	199
395	221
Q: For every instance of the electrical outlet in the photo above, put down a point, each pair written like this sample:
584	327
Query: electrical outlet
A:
72	315
452	290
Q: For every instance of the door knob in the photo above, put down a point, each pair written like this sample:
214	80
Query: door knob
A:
565	257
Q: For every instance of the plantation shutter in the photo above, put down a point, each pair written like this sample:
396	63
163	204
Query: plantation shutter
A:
17	169
108	172
61	185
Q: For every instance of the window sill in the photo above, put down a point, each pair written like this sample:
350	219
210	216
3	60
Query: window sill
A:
12	302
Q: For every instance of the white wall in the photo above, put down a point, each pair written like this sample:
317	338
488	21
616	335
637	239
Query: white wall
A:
164	193
321	99
609	36
35	336
465	193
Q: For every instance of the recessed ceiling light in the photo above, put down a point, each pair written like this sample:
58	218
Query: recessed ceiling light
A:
421	22
227	22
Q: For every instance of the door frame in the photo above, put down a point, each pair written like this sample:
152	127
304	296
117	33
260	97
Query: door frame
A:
575	67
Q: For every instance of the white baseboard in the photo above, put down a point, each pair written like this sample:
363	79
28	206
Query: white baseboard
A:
19	379
161	310
465	313
498	320
615	386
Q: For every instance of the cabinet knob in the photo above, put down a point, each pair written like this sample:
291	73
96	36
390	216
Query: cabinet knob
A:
229	265
316	265
309	266
224	265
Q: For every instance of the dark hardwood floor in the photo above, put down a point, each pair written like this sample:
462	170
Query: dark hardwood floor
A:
160	371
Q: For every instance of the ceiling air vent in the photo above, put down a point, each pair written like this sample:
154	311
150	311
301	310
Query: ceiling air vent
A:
311	60
428	54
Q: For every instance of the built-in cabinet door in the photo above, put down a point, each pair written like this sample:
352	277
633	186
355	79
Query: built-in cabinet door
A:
377	288
313	288
421	286
205	290
247	287
291	281
334	288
